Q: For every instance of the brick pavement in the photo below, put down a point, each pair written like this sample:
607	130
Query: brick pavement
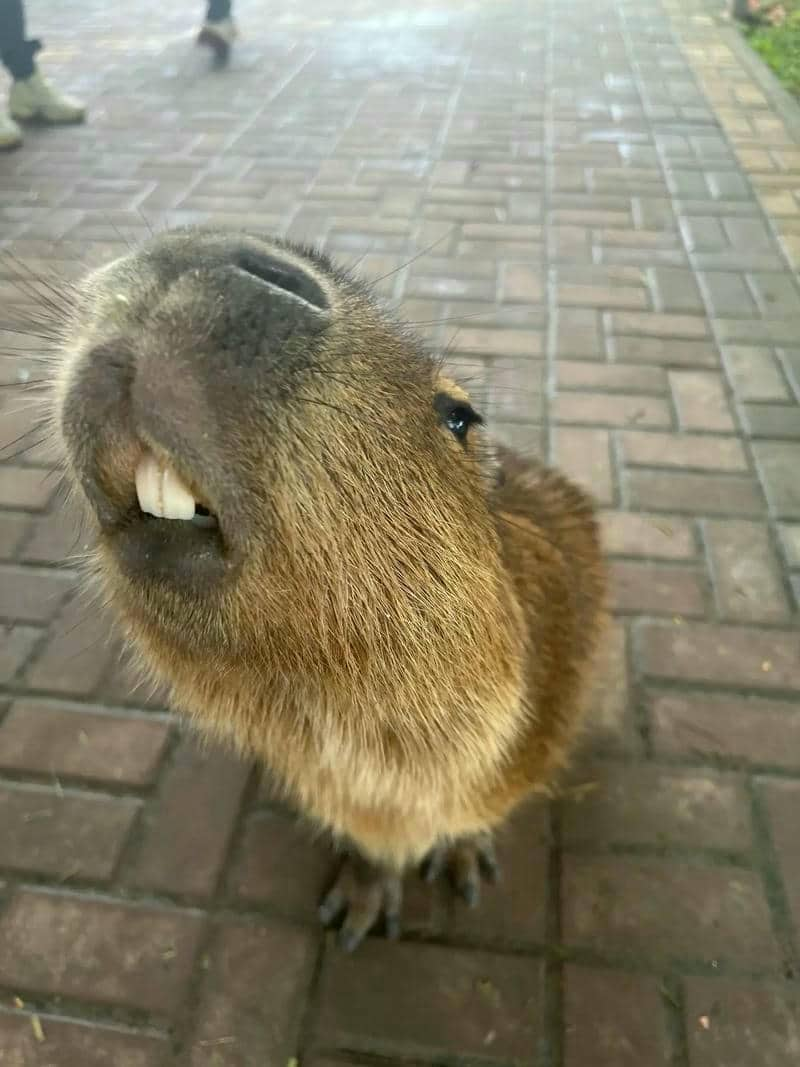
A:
611	196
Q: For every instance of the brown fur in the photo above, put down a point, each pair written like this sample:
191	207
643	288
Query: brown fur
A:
403	624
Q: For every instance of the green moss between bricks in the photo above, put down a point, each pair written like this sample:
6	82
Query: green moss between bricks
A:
779	47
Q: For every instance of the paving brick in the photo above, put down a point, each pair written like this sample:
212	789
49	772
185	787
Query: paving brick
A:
665	352
252	998
790	537
755	373
733	1024
612	1019
517	389
26	488
612	409
645	239
776	294
701	401
569	179
656	589
746	576
700	494
180	853
619	377
772	420
487	342
704	234
279	864
667	257
585	455
521	284
66	835
463	212
55	538
77	652
726	655
759	332
99	950
687	184
429	1001
747	233
728	185
777	464
465	195
685	327
349	1061
737	260
589	217
664	910
727	294
600	296
742	730
649	536
13	529
437	266
684	450
676	290
617	804
75	1043
578	334
39	737
527	439
501	232
568	243
450	172
791	362
780	799
32	594
16	645
448	288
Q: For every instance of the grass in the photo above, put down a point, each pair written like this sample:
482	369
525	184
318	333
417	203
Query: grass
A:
779	46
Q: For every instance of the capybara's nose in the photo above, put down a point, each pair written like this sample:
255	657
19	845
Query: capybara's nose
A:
258	308
288	280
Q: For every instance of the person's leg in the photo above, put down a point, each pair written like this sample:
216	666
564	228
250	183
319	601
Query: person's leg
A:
218	31
16	51
31	97
16	55
218	10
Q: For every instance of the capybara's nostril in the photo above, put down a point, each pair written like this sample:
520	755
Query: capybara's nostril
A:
282	274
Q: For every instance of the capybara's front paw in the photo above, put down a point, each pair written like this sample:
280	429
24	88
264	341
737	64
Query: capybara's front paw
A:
467	862
362	894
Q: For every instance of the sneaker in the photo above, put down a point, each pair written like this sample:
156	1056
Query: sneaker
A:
35	100
10	133
219	36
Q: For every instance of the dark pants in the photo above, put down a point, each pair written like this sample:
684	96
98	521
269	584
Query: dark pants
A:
16	51
217	10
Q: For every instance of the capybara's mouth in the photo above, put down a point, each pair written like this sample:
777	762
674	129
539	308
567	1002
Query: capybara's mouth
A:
168	533
161	492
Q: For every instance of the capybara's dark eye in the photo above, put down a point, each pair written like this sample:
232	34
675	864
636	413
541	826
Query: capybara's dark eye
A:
459	421
456	415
